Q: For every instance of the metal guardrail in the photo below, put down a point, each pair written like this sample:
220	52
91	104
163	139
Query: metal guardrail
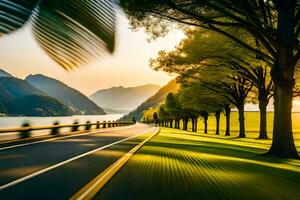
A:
25	130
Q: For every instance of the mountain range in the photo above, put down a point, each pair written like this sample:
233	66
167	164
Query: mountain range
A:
123	99
39	95
4	74
18	97
72	98
152	101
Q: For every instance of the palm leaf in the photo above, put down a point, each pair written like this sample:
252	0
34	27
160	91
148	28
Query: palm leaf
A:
71	32
14	14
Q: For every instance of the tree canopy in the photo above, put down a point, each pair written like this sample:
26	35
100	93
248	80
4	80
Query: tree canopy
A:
274	24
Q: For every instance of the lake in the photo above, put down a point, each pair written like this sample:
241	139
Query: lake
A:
14	122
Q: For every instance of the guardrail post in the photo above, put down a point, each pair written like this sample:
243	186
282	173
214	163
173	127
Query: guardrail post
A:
109	124
113	124
25	133
55	129
104	124
98	125
75	128
88	126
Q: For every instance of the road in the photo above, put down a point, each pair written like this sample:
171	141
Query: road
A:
58	168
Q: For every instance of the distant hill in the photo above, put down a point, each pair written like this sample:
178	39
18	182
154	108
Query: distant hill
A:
122	98
114	111
153	101
4	74
18	97
74	99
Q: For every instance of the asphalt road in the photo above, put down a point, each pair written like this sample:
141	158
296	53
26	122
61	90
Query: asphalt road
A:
60	167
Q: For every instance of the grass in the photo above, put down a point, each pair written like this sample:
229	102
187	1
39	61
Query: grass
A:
181	165
252	126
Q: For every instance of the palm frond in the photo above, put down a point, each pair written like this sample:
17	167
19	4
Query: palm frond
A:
71	32
14	14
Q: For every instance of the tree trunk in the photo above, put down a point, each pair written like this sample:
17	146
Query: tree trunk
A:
205	118
283	76
196	124
241	109
171	123
283	142
185	123
263	119
193	124
218	113
227	114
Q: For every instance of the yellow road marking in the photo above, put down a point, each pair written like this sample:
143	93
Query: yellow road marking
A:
93	187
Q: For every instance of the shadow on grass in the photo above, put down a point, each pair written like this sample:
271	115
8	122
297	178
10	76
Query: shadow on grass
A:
171	167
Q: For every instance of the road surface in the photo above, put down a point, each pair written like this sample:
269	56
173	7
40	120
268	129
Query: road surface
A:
58	168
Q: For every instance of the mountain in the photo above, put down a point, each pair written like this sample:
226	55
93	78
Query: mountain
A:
4	74
153	101
74	99
122	98
114	111
18	97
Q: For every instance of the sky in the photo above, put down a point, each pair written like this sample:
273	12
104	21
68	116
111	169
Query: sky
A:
128	66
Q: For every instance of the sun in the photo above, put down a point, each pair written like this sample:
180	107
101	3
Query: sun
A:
296	102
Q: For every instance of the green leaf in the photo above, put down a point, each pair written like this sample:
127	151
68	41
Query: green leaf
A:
71	32
14	14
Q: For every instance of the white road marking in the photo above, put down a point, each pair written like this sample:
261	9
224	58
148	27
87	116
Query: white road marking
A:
64	137
116	164
20	180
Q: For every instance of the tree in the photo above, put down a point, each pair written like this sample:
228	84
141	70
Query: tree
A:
275	24
227	110
264	88
190	110
149	115
163	115
174	109
201	102
200	46
231	86
70	32
201	55
155	118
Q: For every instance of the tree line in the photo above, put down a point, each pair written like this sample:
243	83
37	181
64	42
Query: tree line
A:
218	75
269	30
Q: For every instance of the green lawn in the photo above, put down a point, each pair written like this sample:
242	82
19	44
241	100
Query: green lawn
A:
181	165
251	122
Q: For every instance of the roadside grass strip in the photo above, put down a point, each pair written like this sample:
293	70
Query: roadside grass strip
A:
180	165
93	187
